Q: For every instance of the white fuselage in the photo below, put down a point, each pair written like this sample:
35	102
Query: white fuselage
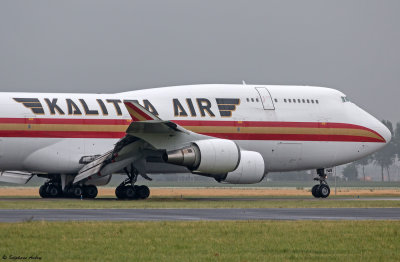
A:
318	128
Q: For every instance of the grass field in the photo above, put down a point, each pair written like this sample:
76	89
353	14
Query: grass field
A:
190	203
203	241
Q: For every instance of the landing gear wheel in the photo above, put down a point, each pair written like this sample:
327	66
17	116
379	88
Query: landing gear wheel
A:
130	192
315	192
143	192
52	191
90	191
324	191
120	192
76	192
51	188
42	191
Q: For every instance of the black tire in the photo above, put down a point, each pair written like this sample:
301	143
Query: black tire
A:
90	191
42	191
120	192
77	192
314	191
130	192
143	192
324	191
53	191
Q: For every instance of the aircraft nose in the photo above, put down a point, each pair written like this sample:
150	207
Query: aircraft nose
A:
384	132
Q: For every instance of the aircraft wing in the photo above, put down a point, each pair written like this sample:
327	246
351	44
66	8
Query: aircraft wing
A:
146	135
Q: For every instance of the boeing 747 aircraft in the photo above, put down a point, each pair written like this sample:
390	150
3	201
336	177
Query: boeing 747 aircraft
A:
231	133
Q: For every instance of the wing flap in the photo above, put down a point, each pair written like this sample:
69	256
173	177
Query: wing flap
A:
15	177
93	167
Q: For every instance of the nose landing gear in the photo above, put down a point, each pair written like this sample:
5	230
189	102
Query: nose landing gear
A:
321	190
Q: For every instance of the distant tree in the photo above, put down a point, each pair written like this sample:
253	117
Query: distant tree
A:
396	140
385	157
364	162
350	172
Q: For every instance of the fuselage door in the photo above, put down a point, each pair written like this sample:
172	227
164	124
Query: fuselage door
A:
266	98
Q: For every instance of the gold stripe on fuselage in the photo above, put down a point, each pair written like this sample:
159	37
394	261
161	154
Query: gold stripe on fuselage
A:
64	127
283	130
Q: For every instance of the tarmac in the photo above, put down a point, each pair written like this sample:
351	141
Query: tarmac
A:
190	214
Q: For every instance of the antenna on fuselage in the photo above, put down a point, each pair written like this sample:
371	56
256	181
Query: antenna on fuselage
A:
244	83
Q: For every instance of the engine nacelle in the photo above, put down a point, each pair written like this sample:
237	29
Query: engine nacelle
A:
211	156
251	169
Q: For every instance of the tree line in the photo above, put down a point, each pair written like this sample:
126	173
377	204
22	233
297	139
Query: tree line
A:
383	158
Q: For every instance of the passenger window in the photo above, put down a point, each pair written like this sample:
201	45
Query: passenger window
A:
276	100
256	99
316	101
284	100
252	100
294	100
298	100
308	101
248	100
304	101
312	101
290	100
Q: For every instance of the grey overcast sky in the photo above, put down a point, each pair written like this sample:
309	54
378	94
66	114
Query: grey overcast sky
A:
112	46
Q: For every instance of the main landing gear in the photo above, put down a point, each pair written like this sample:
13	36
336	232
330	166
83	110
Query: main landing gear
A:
128	189
321	190
53	189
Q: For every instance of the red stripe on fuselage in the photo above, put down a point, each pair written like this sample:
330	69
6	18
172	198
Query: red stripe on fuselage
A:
65	121
187	123
268	124
293	137
61	134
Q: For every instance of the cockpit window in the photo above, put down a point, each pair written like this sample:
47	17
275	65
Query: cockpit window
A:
345	99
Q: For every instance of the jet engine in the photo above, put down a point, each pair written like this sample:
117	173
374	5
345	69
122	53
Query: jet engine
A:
211	156
221	159
251	169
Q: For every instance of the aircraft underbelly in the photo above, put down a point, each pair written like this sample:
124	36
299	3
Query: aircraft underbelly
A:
282	156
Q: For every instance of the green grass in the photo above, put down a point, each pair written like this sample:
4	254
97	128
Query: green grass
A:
191	203
204	241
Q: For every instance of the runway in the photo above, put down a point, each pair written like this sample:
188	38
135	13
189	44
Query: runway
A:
20	215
